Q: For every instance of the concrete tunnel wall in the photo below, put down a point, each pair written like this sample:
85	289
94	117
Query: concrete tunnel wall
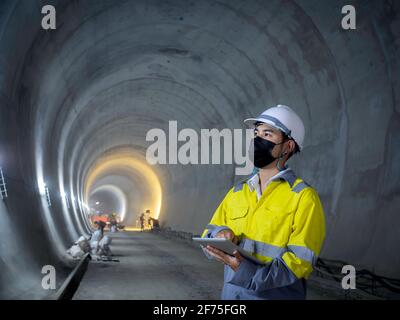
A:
113	70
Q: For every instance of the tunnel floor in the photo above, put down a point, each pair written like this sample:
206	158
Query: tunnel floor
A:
152	267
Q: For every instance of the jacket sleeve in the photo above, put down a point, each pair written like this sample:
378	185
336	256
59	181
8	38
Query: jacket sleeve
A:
218	221
305	242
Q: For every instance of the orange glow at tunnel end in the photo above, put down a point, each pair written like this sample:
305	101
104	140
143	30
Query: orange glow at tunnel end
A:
132	162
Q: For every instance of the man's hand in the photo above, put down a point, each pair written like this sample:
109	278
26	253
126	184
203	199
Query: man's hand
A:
232	261
227	234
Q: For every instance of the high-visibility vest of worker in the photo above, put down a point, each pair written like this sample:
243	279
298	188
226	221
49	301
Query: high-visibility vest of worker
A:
273	214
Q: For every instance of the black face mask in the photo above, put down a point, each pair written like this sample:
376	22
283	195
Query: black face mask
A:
262	149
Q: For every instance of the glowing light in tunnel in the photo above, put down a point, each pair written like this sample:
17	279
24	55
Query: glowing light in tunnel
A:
55	238
119	194
66	208
42	186
64	199
86	207
132	229
139	166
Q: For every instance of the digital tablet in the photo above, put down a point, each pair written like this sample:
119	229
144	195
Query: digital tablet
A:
226	246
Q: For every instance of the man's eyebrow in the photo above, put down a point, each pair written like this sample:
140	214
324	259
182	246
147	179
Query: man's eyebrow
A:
265	130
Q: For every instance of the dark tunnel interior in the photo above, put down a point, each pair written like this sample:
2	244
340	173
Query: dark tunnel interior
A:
77	103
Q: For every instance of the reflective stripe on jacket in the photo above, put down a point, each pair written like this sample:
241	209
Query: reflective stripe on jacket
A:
284	229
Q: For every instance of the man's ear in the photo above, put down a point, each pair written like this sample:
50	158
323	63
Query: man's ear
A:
291	146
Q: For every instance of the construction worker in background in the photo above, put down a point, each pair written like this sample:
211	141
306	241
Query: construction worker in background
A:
273	214
79	248
142	222
155	224
97	236
113	222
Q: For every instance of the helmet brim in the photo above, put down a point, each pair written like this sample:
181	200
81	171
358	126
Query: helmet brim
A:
252	121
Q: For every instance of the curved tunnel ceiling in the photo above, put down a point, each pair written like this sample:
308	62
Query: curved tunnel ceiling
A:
88	92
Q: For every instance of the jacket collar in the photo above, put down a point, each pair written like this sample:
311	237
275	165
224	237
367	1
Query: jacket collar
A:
287	175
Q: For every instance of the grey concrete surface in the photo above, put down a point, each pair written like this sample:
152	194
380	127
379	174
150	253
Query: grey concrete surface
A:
76	104
152	267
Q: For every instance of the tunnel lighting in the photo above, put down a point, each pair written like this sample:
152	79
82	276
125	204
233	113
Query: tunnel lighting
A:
42	187
65	197
44	191
97	202
137	165
3	187
119	195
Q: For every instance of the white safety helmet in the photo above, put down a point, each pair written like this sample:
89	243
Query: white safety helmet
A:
285	119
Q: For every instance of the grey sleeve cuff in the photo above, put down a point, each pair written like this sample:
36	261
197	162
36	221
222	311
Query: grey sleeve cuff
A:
216	230
244	274
258	278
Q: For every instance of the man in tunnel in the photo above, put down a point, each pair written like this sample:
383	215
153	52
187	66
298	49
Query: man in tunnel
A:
273	214
142	222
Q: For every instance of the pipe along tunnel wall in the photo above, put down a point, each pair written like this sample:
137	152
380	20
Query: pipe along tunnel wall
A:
76	104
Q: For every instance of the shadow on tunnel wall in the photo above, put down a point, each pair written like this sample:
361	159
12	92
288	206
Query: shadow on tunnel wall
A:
75	97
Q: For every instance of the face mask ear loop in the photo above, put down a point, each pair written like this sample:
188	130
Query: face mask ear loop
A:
278	164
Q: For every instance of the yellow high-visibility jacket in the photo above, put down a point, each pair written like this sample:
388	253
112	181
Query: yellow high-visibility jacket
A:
284	230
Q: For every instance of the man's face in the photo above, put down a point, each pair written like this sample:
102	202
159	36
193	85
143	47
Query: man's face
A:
272	134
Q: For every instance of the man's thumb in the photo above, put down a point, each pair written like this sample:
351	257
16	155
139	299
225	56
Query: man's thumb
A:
237	254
